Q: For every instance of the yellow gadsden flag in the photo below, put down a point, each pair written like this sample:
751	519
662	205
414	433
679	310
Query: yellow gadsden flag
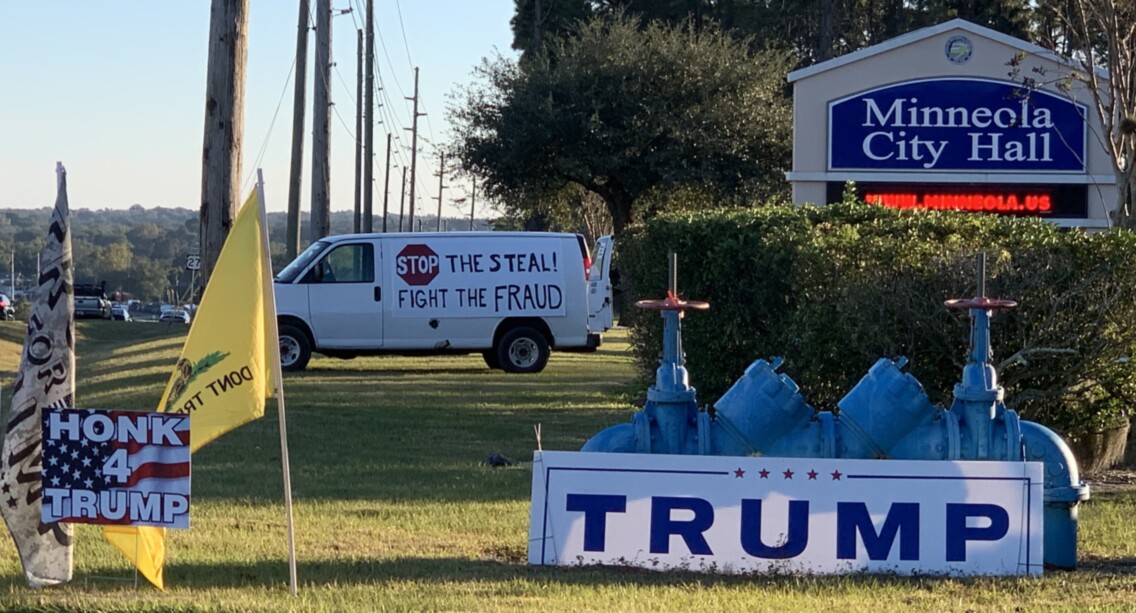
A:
226	367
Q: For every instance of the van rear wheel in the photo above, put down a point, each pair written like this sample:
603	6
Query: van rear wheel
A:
522	350
295	348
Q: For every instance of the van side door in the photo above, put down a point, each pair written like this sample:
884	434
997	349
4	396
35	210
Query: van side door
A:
600	287
345	297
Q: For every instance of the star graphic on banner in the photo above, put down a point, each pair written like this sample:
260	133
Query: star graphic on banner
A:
74	453
836	475
88	483
739	473
83	442
55	480
63	449
12	503
86	461
812	475
788	474
53	460
5	489
764	473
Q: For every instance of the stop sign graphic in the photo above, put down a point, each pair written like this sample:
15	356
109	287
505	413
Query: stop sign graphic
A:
416	264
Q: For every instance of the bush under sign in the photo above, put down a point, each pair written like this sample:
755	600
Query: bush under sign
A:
770	515
116	467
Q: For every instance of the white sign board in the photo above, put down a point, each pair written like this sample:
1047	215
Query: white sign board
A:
478	278
115	467
776	515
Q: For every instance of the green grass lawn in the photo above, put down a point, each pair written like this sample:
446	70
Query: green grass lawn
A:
396	510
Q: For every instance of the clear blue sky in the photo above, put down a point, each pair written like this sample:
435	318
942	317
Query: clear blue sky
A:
116	91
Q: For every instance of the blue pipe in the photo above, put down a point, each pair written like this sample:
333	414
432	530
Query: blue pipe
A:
886	415
1063	492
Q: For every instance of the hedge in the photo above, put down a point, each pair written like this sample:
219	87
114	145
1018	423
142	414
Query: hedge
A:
832	289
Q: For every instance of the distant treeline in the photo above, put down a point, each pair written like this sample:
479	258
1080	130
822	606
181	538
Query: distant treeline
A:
141	252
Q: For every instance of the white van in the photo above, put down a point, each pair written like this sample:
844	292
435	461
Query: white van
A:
513	296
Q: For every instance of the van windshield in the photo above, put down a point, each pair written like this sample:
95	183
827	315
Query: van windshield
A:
293	270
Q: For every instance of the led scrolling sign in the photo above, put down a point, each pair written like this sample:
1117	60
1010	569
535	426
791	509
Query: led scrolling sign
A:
1062	201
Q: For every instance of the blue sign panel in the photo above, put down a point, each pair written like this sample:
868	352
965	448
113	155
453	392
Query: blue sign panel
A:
956	124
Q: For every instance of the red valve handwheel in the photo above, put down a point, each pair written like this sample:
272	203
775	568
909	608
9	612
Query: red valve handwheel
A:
981	302
673	303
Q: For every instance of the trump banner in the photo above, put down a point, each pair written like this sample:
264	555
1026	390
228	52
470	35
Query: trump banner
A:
116	467
786	515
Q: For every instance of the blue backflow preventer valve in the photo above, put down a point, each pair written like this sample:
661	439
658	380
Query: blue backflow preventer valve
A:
886	415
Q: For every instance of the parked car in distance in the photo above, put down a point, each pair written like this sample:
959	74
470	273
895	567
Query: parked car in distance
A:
91	300
7	310
120	312
175	316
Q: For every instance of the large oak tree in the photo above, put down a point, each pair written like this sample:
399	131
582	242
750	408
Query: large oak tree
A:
626	110
815	30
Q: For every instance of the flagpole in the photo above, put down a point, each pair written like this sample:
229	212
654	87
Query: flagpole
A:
273	356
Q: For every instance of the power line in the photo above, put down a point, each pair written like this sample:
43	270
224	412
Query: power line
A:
402	25
383	44
271	126
410	61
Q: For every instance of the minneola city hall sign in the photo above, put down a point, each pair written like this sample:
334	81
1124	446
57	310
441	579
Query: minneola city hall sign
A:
933	120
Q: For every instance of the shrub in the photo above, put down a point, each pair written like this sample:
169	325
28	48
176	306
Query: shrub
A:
832	289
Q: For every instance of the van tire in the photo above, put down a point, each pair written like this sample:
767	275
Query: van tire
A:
490	356
295	348
522	350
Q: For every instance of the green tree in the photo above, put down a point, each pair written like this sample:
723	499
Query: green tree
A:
817	30
622	112
537	20
1098	35
146	278
1012	17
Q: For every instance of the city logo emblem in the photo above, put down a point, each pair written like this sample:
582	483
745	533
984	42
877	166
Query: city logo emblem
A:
958	49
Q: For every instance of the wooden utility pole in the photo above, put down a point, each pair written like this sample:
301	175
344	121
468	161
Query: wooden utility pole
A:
292	231
224	125
402	199
538	23
472	204
387	183
358	222
369	138
413	148
825	31
321	125
441	177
